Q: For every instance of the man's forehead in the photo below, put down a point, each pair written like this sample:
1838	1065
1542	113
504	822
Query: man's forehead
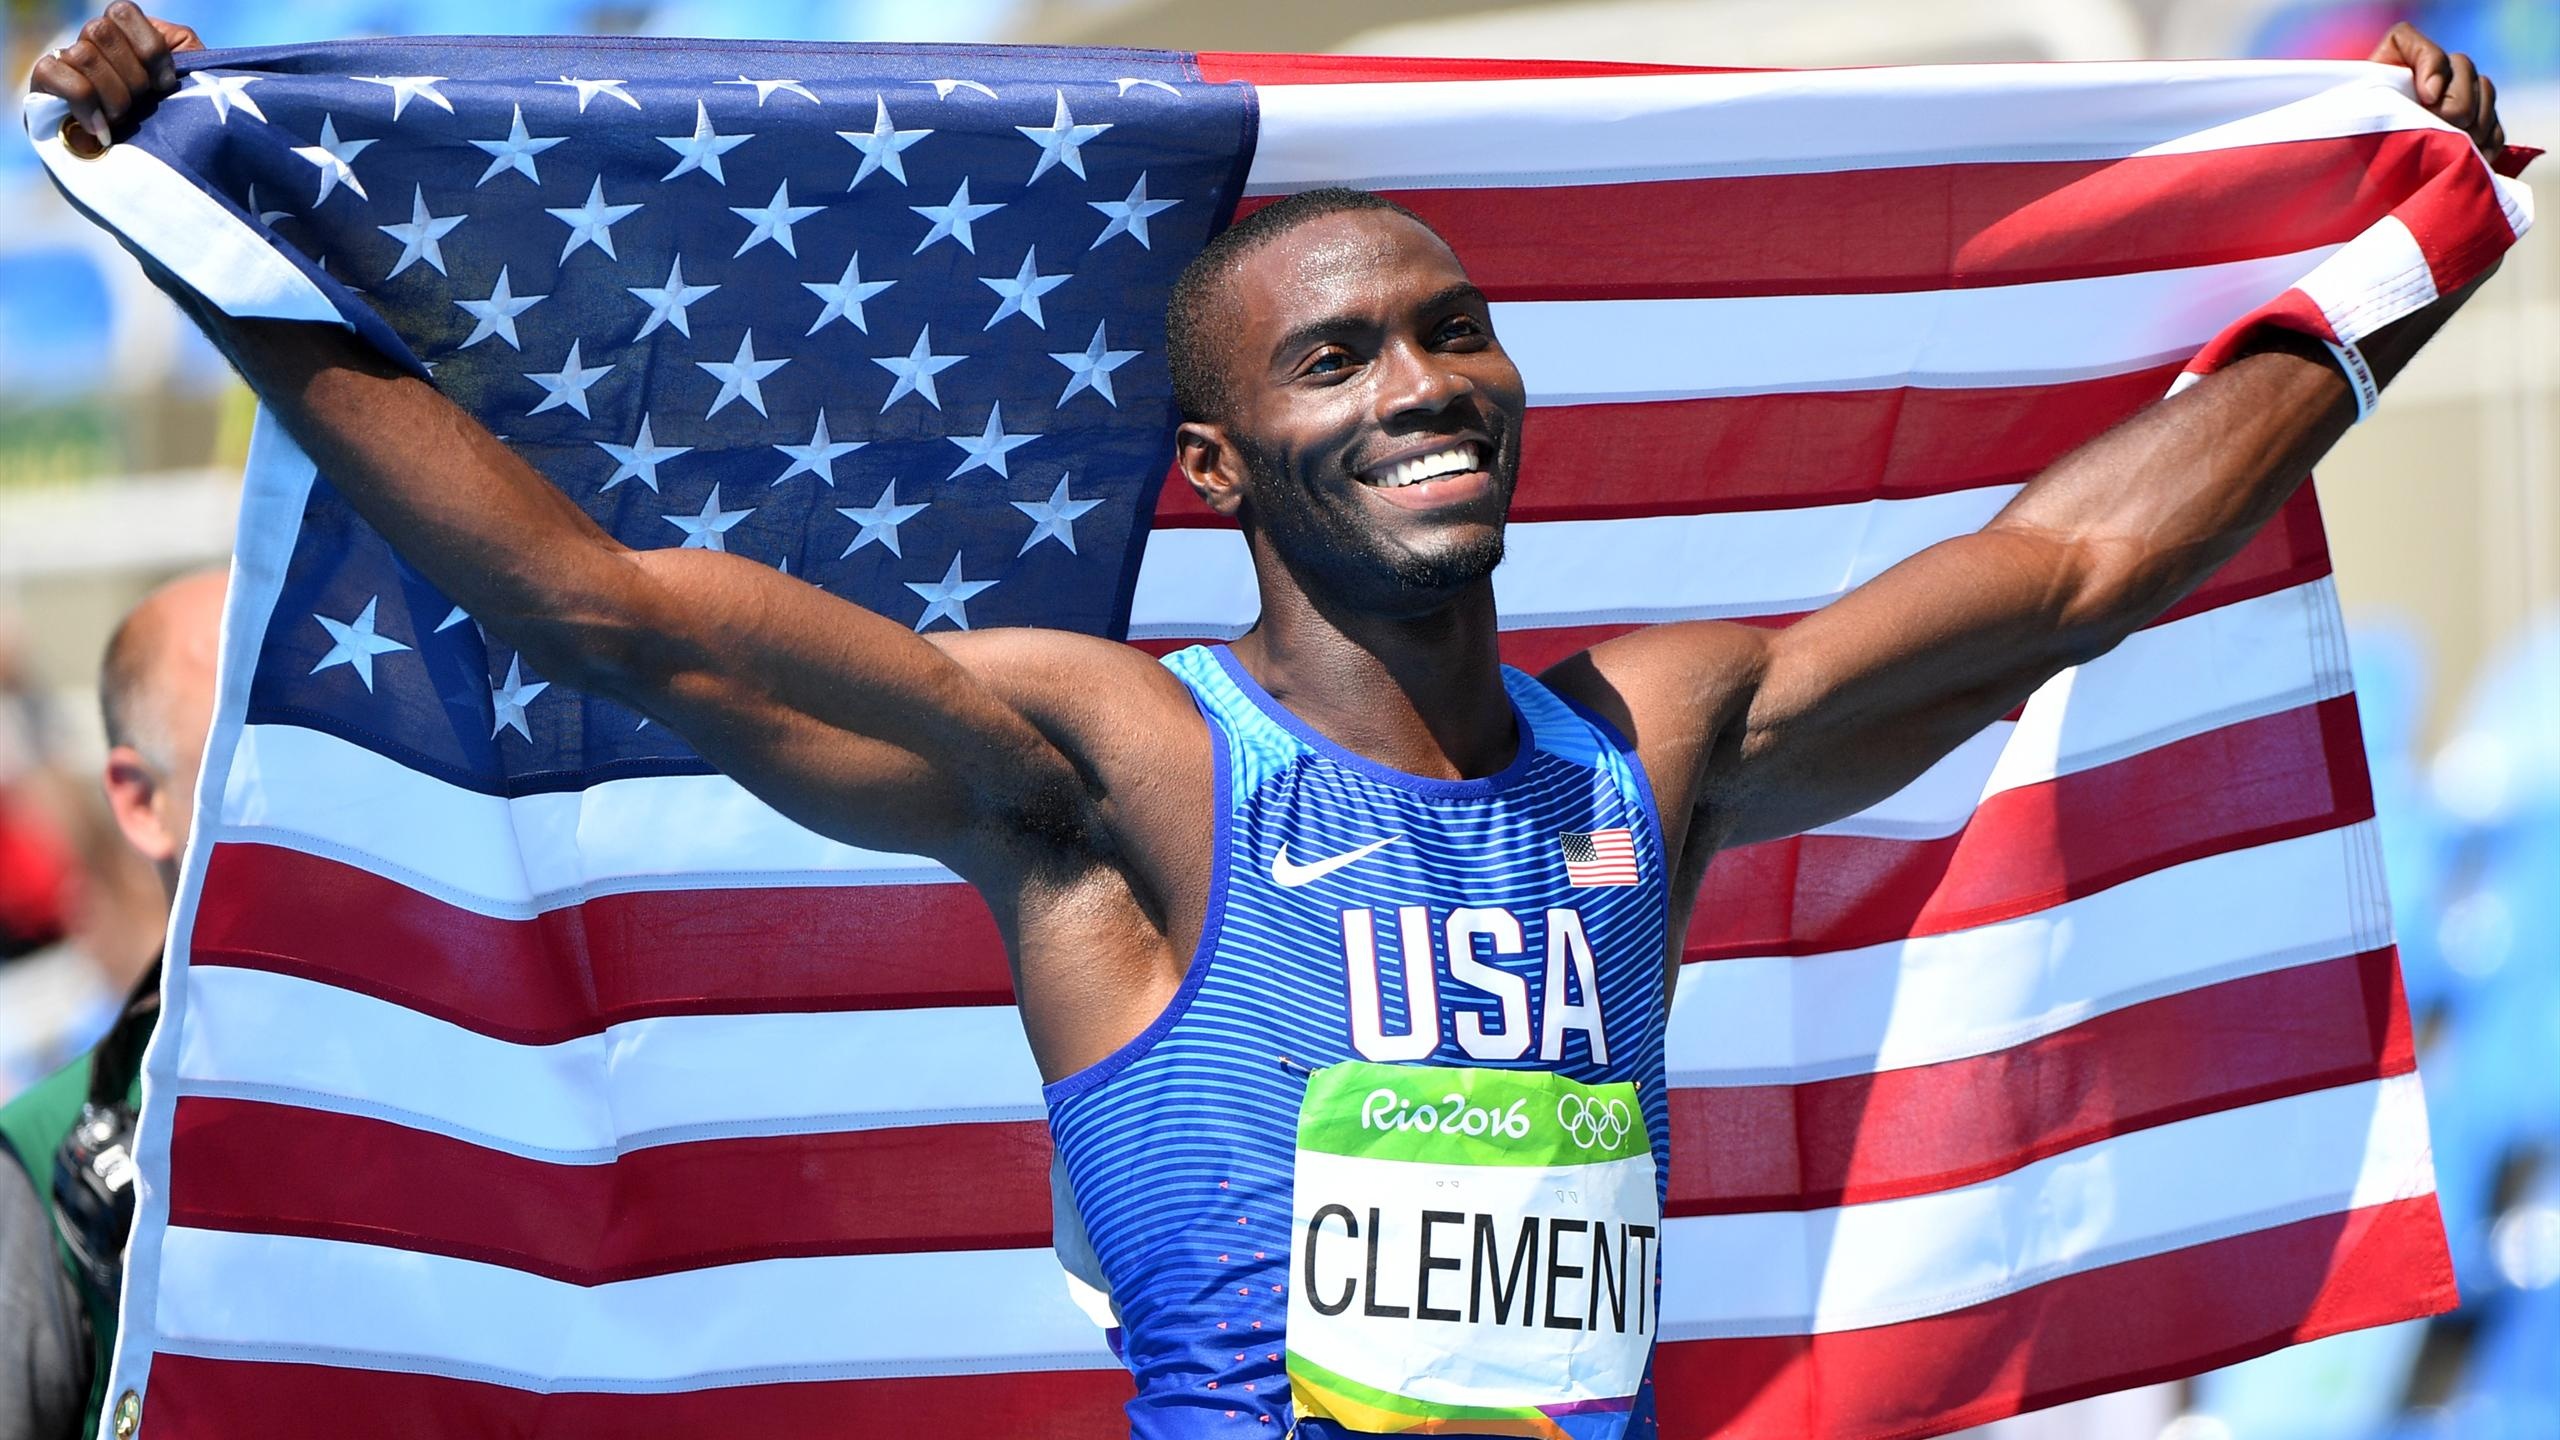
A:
1325	261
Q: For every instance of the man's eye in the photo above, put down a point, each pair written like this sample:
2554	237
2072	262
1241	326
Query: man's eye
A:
1460	327
1328	362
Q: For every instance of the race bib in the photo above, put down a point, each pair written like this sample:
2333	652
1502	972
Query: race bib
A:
1475	1252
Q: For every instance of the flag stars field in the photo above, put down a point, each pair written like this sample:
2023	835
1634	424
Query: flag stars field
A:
948	598
335	159
1021	294
507	702
569	384
953	221
742	376
989	448
668	303
773	221
881	145
819	456
514	152
708	528
420	236
497	314
1129	216
590	89
1061	141
592	223
767	89
1054	518
845	296
915	371
640	459
1091	367
225	93
405	88
702	149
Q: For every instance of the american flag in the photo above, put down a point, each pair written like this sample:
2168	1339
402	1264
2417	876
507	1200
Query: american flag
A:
521	1076
1603	857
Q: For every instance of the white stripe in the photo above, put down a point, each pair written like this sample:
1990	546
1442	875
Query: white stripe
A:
314	792
2143	1193
2236	662
1790	1019
1581	131
2373	280
1199	583
2132	1195
516	857
1612	352
134	193
274	1297
263	1036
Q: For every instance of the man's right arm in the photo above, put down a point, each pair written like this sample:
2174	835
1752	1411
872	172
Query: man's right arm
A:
846	721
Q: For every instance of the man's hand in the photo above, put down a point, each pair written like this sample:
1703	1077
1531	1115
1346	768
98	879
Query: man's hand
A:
123	62
2448	84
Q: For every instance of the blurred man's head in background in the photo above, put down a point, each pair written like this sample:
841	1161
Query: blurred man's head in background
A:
155	688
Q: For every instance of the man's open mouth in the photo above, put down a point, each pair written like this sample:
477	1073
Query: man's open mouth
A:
1457	459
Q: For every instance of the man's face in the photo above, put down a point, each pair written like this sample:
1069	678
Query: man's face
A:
1375	415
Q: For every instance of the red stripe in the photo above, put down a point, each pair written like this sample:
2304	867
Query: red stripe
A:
250	1166
574	970
193	1398
2138	1323
1768	452
272	1169
1253	67
2158	1318
1937	227
1933	1127
2297	772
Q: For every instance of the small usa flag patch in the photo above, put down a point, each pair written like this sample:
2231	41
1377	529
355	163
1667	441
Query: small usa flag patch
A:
1602	857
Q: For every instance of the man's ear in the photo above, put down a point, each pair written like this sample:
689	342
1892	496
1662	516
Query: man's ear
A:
1209	461
133	788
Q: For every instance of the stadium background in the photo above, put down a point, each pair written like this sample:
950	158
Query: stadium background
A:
121	437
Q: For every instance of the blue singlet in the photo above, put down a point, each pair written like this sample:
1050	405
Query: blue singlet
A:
1179	1149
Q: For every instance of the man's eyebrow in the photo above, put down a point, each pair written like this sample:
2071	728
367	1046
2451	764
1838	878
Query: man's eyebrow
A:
1463	292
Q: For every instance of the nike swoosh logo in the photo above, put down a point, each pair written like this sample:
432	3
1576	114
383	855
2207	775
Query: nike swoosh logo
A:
1288	874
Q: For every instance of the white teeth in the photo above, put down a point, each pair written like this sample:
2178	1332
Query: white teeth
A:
1451	461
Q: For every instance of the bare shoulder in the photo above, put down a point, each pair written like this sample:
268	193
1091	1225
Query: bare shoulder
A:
1673	690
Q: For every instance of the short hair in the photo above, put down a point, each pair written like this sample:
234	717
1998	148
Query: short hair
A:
1192	317
122	673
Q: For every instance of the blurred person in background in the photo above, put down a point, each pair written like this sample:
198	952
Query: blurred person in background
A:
66	1197
50	998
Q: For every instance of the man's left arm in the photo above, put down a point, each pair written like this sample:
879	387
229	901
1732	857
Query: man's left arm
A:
1772	732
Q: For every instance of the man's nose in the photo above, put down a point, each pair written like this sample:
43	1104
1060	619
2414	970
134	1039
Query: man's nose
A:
1417	381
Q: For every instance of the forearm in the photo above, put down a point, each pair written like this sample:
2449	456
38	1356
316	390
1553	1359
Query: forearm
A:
2138	517
469	513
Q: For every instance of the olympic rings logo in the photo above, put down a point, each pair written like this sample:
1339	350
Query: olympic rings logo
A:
1594	1124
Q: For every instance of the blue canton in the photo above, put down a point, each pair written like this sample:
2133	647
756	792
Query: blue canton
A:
891	319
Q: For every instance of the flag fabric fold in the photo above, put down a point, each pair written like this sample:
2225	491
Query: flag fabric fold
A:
520	1075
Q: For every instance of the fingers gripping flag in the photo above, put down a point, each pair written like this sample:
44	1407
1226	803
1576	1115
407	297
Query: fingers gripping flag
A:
520	1075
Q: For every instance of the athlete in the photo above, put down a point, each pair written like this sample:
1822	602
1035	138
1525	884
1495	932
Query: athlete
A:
1344	950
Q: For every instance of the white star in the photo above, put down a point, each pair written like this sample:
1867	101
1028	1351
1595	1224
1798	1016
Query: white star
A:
702	149
765	89
880	520
819	456
1061	141
773	221
948	598
270	217
641	458
453	617
1054	518
1129	217
516	152
591	223
405	88
881	144
510	699
497	314
567	385
227	92
942	88
357	643
1022	293
419	239
954	219
990	448
335	158
667	302
844	298
1133	83
710	529
743	375
590	89
1090	368
915	371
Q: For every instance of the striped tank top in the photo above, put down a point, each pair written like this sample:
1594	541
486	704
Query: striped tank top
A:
1525	913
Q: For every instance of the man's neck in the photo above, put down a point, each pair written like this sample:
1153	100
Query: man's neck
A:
1421	694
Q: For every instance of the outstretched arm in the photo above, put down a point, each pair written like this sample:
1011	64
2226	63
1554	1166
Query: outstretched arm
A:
1775	732
846	721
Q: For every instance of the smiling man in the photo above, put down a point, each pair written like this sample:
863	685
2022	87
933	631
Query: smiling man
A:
1344	949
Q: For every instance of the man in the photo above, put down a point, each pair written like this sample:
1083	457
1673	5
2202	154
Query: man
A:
66	1205
1344	951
